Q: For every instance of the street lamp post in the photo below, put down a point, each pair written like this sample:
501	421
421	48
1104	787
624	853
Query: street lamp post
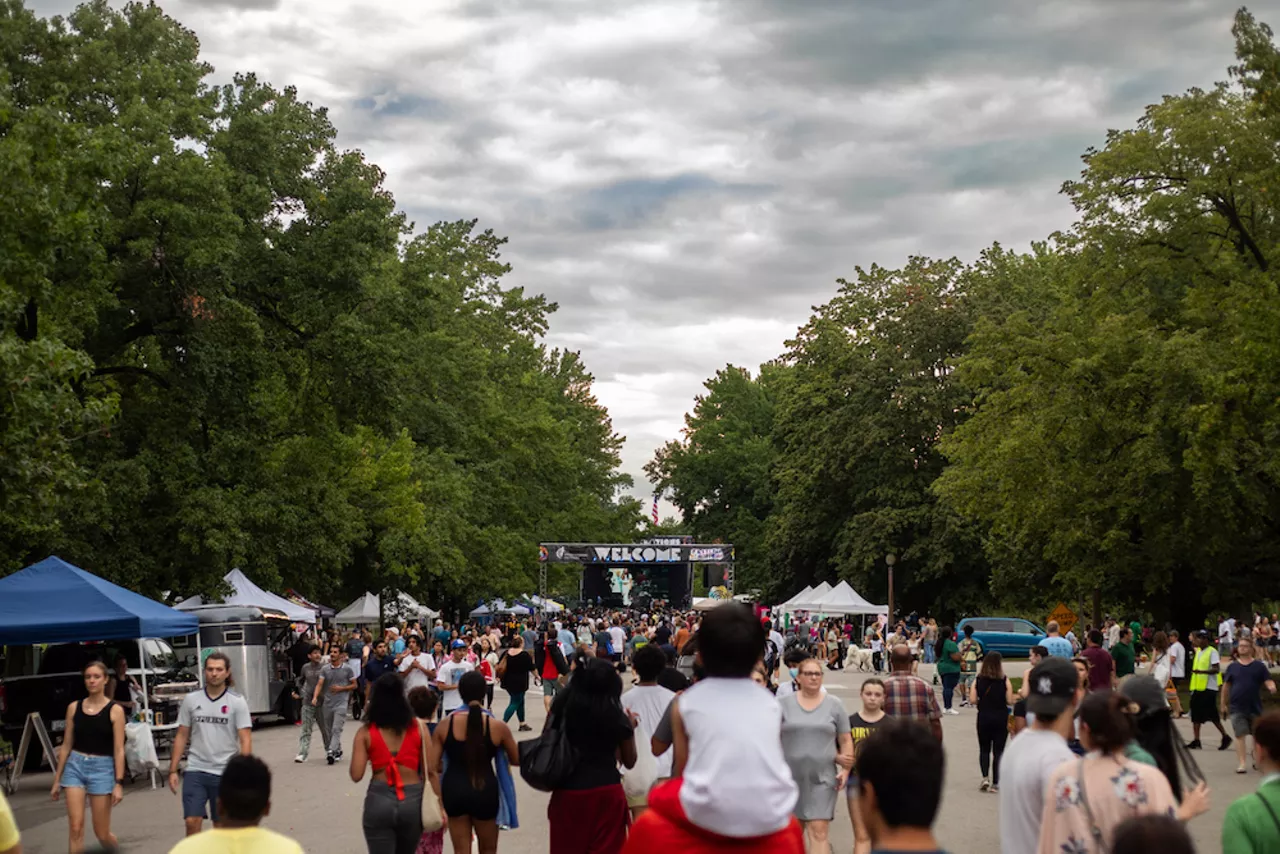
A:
890	560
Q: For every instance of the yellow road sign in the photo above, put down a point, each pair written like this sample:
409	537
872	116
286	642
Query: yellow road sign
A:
1064	617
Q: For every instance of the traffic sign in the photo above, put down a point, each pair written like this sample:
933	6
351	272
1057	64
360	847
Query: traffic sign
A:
1064	617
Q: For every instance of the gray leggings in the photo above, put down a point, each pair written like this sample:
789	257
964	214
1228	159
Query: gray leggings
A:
392	826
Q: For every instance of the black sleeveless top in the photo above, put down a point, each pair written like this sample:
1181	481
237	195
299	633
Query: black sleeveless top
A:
94	735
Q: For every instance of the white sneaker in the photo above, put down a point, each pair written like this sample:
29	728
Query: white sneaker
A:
951	712
299	758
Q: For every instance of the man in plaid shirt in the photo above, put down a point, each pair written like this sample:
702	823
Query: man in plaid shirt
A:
909	697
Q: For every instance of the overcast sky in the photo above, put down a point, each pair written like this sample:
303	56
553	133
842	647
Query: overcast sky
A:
687	179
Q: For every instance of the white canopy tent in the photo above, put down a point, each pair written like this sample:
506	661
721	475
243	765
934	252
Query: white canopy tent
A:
247	594
843	599
367	610
405	607
803	594
806	603
482	611
363	611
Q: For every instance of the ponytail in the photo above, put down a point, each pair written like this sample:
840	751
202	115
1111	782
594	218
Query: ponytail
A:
476	752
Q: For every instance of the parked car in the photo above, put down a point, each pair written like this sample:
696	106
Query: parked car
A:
1010	636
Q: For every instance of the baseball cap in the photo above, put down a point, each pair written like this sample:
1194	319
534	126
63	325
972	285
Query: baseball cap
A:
1052	687
458	644
1145	692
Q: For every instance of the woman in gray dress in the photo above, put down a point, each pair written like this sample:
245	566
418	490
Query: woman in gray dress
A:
819	751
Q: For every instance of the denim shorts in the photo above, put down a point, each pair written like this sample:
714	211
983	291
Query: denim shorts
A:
95	774
200	788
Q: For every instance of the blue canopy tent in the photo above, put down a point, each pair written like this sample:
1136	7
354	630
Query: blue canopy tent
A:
55	602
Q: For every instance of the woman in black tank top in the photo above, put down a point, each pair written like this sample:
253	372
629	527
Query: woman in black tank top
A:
91	759
469	787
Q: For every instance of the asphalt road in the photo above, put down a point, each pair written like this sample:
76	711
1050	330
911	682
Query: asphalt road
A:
320	807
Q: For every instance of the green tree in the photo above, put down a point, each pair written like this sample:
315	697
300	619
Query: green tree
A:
224	346
719	474
1125	440
868	396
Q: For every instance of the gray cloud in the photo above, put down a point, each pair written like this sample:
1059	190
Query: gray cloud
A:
686	178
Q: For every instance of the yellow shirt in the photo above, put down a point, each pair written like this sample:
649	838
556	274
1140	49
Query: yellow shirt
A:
8	826
239	840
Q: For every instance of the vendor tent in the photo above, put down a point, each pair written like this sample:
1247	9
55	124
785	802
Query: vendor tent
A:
247	594
843	599
324	612
806	603
367	610
55	602
405	607
481	611
803	594
547	605
363	611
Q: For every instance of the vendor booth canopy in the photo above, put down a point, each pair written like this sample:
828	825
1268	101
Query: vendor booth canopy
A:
481	611
405	607
245	592
799	597
805	603
55	602
366	610
843	599
363	611
324	612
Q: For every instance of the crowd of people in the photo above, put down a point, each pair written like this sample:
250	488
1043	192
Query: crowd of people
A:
1083	756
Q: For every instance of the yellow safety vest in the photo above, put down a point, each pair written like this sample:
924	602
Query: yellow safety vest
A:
1203	661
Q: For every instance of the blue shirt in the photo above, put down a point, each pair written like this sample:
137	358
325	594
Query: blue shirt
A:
1058	646
567	640
397	646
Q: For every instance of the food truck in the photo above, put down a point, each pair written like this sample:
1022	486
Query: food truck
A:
255	640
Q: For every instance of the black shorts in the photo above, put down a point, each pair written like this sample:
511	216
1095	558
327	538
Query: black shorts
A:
1020	709
1204	707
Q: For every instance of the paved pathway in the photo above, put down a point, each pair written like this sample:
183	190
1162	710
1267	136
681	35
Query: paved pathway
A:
320	806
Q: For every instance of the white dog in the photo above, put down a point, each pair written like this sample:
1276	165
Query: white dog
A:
856	656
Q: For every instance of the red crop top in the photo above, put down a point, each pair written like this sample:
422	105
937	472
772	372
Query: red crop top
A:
409	756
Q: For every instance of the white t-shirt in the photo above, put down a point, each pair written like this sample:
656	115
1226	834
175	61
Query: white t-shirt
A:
1028	762
215	724
1226	630
1215	664
450	673
736	782
619	638
650	703
1177	660
416	678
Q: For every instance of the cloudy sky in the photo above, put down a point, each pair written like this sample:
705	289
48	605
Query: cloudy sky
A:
687	179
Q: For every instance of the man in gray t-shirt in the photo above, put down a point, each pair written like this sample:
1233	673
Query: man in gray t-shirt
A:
308	679
216	723
333	690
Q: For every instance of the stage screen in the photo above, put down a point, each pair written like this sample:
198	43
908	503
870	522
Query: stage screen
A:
637	585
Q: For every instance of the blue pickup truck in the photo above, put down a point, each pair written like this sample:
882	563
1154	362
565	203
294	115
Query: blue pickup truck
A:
1010	636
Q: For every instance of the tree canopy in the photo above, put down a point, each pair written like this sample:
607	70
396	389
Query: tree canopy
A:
223	345
1098	414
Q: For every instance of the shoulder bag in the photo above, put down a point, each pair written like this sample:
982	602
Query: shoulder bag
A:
547	761
432	817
